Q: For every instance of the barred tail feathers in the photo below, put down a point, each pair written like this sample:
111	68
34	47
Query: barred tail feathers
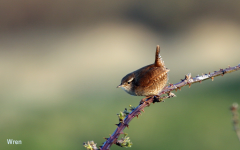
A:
158	60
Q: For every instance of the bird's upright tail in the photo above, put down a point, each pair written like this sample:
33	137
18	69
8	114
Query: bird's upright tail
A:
158	60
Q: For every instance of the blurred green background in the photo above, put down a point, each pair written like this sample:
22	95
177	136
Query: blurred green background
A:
60	63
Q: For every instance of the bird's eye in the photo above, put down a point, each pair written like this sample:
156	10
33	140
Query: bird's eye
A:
129	82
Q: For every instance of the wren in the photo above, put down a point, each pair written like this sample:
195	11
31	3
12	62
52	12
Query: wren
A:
147	81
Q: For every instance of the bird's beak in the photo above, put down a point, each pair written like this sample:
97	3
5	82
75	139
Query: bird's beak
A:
119	86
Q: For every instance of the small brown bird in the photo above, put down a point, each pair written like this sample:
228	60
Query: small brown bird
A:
147	81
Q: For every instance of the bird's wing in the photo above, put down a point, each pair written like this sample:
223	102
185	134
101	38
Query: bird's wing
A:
150	75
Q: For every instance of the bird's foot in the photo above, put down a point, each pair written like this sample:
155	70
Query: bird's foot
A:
144	99
157	98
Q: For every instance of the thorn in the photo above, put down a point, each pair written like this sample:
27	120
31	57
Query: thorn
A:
187	76
224	71
143	110
212	78
209	73
200	81
229	66
126	125
179	89
137	116
105	138
171	85
118	133
189	85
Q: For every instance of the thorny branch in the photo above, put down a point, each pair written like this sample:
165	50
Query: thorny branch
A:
188	80
234	109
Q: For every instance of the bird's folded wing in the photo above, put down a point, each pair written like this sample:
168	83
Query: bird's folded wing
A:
150	75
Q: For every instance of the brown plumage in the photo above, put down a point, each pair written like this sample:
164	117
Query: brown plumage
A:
148	80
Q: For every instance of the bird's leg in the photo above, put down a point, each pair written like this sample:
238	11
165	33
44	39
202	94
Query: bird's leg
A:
157	98
145	98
